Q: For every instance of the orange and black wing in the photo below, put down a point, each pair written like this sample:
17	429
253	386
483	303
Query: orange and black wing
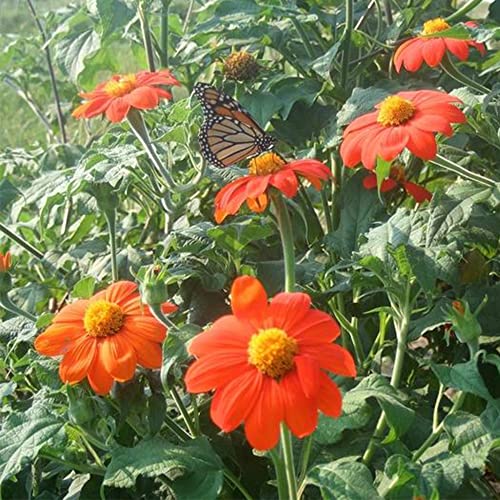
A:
229	134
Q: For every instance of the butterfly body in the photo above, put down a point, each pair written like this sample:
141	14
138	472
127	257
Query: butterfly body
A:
229	134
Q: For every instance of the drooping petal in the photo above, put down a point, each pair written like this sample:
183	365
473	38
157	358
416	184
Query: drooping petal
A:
258	204
233	402
422	144
431	123
142	98
393	142
248	299
371	147
148	354
286	181
227	333
419	193
301	413
412	57
350	148
459	48
92	108
257	185
262	424
216	370
117	110
118	357
58	338
329	397
76	362
433	51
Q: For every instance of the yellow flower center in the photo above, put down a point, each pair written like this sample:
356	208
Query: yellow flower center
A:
394	111
435	26
272	352
118	88
103	318
265	164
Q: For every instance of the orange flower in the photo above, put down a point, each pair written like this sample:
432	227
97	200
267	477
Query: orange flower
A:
397	179
105	337
268	364
116	96
404	120
412	53
5	262
267	170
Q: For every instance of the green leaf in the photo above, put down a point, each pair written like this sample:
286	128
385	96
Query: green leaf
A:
23	435
342	480
359	208
113	15
382	170
293	89
193	467
8	193
423	267
462	376
323	64
261	105
84	289
399	417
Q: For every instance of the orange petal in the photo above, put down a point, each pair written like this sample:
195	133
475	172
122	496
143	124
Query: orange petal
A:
258	204
99	379
329	397
233	402
117	110
286	310
315	327
76	362
58	338
149	354
301	413
308	370
146	327
72	312
248	299
262	424
216	370
142	98
332	357
118	357
121	292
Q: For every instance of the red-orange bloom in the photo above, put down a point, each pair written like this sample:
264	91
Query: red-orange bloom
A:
268	363
5	262
266	171
397	179
105	337
404	120
412	53
118	95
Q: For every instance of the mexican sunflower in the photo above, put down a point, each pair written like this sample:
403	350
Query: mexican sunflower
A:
397	179
105	337
268	363
267	170
404	120
412	53
120	93
5	262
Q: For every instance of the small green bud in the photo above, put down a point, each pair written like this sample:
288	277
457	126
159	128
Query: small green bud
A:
153	287
464	322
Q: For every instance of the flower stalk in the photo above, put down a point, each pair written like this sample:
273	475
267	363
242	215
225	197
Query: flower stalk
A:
441	161
110	216
146	35
21	241
452	71
8	305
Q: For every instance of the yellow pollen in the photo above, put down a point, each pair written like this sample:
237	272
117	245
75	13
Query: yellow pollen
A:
272	352
103	318
395	111
268	163
435	26
118	88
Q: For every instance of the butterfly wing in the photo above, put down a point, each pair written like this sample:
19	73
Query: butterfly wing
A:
229	134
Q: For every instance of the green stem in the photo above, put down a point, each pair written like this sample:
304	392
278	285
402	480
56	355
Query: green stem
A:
164	57
280	474
53	82
146	35
402	327
303	36
110	216
327	212
349	23
236	482
304	458
286	443
286	233
463	10
98	471
353	334
183	410
21	241
337	189
7	304
435	413
388	11
443	162
450	69
432	437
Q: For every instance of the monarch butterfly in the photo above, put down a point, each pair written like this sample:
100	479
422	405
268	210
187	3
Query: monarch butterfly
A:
229	134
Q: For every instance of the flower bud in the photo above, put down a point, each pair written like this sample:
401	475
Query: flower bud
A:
5	279
240	66
153	287
464	322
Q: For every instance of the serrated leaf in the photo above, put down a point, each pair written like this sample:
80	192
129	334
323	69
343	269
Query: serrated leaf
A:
194	468
114	15
342	480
